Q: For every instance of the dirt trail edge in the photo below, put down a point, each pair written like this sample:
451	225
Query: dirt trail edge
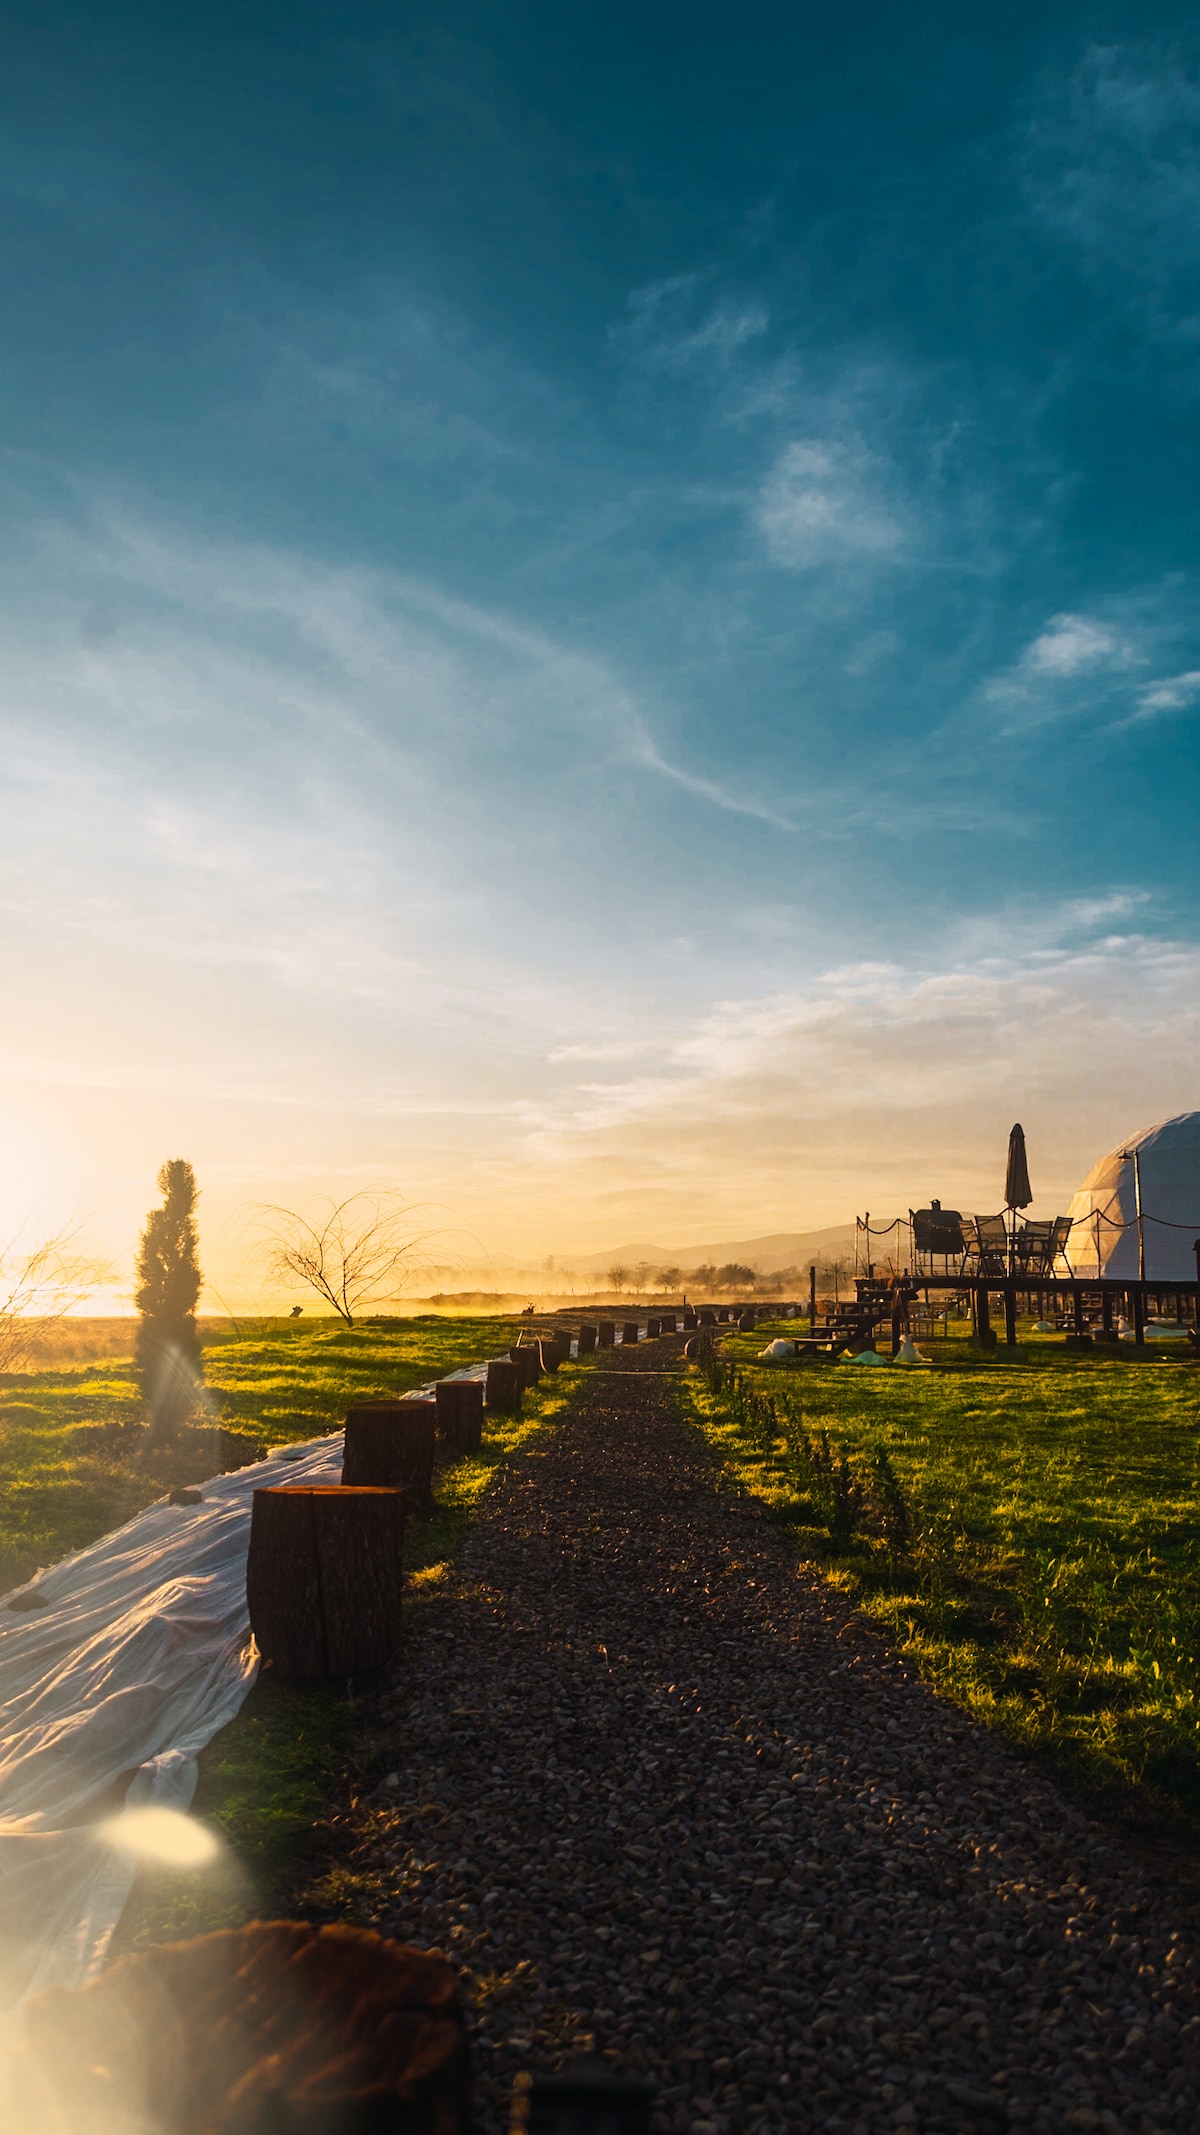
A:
662	1796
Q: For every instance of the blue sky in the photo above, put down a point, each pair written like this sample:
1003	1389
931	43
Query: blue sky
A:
600	614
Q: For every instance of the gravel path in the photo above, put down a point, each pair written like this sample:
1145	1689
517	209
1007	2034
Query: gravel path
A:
662	1796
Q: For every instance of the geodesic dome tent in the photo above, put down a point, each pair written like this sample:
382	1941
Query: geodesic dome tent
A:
1105	1207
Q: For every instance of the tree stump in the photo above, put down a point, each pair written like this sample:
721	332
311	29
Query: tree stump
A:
746	1321
551	1353
667	1324
606	1334
652	1330
527	1356
390	1444
324	1577
690	1321
503	1395
588	1337
460	1413
562	1345
277	2025
707	1315
631	1331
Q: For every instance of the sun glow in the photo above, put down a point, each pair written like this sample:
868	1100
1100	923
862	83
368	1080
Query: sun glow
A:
165	1837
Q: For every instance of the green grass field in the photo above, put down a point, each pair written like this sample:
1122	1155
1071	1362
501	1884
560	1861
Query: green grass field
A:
1049	1579
74	1458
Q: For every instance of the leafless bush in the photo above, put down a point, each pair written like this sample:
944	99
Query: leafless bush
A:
40	1288
356	1253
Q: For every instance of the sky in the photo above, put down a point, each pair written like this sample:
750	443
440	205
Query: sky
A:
599	621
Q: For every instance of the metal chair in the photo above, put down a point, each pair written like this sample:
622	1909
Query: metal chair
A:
1034	1250
987	1246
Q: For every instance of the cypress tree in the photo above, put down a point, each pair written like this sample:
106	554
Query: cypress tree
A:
168	1277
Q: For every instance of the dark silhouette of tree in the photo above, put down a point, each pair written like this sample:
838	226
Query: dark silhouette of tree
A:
168	1287
735	1276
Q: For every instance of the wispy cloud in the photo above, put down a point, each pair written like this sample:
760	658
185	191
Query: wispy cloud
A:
677	325
879	1083
1111	164
1177	694
1074	645
825	503
1056	675
646	752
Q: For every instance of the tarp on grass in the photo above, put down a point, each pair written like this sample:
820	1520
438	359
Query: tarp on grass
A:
107	1696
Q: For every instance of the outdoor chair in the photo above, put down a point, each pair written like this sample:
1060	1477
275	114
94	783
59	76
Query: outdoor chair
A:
1059	1240
1035	1249
987	1246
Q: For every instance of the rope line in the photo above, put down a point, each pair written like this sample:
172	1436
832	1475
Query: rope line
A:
884	1230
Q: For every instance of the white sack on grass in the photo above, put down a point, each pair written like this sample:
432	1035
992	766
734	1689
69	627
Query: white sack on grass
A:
141	1656
908	1353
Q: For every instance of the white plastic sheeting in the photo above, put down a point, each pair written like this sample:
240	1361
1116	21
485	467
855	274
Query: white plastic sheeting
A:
107	1696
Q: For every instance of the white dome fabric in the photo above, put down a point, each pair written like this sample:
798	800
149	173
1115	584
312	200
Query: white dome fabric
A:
1169	1162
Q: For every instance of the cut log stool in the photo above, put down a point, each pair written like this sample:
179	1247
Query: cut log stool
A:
324	1577
606	1334
503	1393
276	2025
390	1444
460	1413
653	1329
667	1325
588	1337
527	1357
631	1331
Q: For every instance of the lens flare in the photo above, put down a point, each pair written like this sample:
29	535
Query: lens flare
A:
164	1836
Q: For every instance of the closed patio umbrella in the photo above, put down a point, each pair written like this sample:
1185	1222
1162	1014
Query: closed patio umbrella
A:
1018	1193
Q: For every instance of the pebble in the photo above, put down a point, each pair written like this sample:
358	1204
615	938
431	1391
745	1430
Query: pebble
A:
662	1797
